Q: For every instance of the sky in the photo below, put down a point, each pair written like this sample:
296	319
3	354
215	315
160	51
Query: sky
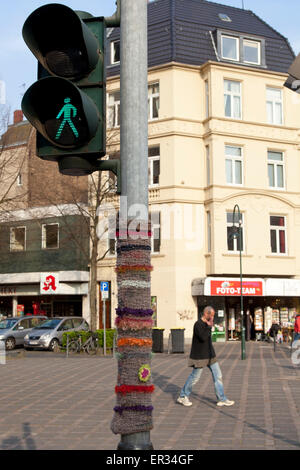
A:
18	66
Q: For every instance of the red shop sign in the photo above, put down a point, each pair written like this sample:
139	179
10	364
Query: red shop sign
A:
234	288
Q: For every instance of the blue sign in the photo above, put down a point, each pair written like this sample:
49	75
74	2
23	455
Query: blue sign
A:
104	286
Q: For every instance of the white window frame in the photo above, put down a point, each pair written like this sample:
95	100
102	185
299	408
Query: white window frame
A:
232	95
115	106
258	51
273	102
151	97
112	52
230	224
44	238
207	101
237	47
275	164
10	238
155	225
233	159
208	175
277	229
152	159
208	231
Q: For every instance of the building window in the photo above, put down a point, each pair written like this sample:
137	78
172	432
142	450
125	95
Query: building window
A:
276	170
153	101
207	165
115	52
155	239
251	50
278	234
112	246
208	221
153	166
233	165
274	106
113	118
230	47
206	99
18	239
50	236
233	242
19	179
232	99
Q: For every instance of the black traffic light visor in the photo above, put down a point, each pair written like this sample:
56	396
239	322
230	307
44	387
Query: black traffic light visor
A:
63	114
61	42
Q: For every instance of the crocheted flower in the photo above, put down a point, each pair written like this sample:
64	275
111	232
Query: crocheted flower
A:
144	373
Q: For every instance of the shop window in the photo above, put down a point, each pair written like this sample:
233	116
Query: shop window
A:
234	242
18	239
153	166
278	234
153	101
50	236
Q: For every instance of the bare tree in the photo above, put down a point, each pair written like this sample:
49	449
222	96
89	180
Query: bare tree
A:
12	165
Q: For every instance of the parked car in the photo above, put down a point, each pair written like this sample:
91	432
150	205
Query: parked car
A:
14	329
50	333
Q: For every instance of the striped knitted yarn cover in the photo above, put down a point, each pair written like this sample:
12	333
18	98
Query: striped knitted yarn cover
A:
133	410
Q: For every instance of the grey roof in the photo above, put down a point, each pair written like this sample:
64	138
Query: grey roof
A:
179	31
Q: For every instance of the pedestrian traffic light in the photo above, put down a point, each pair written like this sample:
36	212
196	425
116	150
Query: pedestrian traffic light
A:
67	103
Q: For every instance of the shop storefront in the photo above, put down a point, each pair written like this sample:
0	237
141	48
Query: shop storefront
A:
52	295
264	301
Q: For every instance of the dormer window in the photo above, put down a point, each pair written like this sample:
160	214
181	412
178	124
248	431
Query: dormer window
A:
230	48
234	47
251	51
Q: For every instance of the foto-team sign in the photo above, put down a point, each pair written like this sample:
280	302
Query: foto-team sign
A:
234	288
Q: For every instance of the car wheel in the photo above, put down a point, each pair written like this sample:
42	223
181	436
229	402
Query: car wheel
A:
10	344
53	345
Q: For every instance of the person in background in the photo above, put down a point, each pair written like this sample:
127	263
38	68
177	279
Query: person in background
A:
273	331
297	327
202	355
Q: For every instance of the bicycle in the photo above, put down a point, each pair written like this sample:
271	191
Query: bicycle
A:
90	346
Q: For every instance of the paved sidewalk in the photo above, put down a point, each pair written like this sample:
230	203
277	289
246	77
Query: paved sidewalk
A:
50	402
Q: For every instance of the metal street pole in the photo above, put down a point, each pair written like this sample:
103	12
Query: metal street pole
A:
243	352
133	413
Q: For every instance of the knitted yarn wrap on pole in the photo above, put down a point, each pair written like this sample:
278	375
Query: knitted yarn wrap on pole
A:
133	410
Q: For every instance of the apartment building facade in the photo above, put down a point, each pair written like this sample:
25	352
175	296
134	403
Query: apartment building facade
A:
222	131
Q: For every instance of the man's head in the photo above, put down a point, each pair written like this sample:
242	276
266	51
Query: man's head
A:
208	313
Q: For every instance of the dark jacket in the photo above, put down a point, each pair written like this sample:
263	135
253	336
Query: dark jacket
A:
202	347
274	330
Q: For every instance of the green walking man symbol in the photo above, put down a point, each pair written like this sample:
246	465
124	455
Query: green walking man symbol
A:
67	110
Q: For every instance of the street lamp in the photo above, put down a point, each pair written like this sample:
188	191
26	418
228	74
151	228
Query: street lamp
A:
237	233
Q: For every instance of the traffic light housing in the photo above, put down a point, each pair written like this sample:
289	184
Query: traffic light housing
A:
67	104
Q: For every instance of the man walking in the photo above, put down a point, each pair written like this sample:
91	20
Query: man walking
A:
202	355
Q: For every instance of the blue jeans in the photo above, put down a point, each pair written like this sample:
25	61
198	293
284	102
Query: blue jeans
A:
195	376
296	336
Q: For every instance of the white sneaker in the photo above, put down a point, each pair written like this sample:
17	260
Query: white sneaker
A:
184	401
225	403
